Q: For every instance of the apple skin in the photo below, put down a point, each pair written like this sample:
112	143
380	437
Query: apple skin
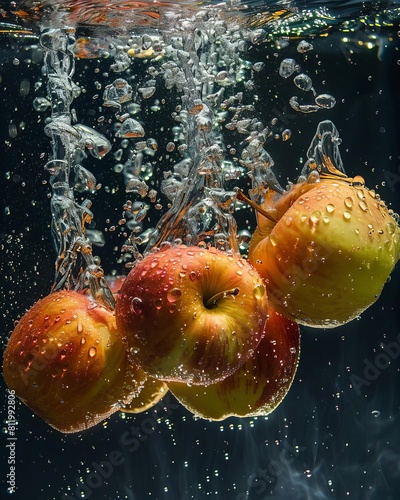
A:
67	362
161	310
258	386
152	391
329	254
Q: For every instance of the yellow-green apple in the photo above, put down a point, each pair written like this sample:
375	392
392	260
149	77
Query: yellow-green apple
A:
325	249
192	314
68	363
258	386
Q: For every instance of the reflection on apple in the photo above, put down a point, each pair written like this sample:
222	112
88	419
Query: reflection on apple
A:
67	362
258	386
192	314
325	250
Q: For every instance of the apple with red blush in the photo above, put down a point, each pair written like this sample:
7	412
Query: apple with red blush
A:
69	364
258	386
192	314
325	249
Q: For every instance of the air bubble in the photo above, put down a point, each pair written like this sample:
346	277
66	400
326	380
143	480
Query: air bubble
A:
303	82
304	46
287	68
325	101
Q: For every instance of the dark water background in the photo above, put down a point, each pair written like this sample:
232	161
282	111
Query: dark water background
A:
328	439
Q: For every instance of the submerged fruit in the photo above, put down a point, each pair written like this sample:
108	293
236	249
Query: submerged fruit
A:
191	314
151	393
258	386
68	363
329	252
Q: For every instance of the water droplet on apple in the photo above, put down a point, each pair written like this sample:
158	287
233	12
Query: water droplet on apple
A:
390	227
358	180
259	291
79	328
330	208
92	352
360	194
315	216
137	305
363	206
192	275
348	202
158	303
273	239
83	340
173	295
346	215
154	263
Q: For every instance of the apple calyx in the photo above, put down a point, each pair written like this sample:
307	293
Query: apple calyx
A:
212	302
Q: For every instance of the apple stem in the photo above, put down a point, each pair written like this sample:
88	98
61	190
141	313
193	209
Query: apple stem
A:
221	295
242	197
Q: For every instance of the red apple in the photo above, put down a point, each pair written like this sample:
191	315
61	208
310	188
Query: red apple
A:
68	363
325	250
258	386
115	283
191	314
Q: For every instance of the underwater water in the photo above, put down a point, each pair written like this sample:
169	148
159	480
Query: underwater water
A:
336	433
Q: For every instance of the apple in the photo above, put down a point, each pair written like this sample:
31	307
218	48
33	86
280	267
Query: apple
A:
325	249
152	391
192	314
258	386
69	364
115	283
